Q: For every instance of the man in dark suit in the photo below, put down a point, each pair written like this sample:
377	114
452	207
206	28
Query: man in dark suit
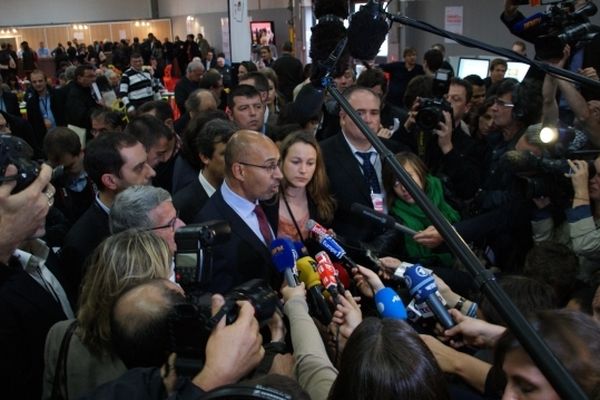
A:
32	298
210	147
9	102
252	174
45	106
188	84
290	72
114	161
80	101
351	181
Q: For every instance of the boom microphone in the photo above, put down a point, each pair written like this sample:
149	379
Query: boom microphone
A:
422	287
284	257
386	220
367	31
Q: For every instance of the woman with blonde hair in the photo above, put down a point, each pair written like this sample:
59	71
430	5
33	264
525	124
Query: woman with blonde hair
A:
78	354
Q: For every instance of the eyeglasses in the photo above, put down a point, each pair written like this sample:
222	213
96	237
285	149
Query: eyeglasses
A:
502	103
270	168
170	224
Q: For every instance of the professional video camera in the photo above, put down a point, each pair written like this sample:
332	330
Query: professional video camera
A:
191	323
558	26
430	111
193	261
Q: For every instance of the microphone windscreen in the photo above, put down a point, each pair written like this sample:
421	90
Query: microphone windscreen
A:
282	254
389	304
307	272
367	31
420	283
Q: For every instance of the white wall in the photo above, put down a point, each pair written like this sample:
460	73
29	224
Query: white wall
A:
38	12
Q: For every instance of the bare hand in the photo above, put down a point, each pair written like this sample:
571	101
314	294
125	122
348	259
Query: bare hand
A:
367	281
589	72
232	350
384	133
579	178
444	133
472	331
429	237
346	318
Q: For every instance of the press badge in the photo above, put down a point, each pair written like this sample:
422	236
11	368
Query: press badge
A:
377	200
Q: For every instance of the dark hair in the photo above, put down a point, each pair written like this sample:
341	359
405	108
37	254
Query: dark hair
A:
434	59
246	91
498	61
528	295
573	337
474	80
261	83
135	54
318	187
419	86
464	83
112	118
193	129
555	264
371	78
103	155
140	335
149	130
60	141
80	70
386	359
194	100
389	178
349	91
210	79
162	109
213	132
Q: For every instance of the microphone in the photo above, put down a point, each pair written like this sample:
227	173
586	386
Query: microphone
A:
341	274
329	243
367	31
422	287
386	220
307	272
284	257
327	273
389	304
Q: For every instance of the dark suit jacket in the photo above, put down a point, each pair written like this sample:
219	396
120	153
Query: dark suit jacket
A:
183	89
80	242
190	200
11	103
79	105
36	117
27	312
348	185
244	256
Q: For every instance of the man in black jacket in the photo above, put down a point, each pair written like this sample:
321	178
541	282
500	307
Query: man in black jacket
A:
9	102
81	98
45	106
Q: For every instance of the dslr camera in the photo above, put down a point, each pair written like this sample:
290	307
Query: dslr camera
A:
430	111
16	151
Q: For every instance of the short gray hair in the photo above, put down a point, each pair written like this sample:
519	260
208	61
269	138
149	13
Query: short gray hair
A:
193	65
132	207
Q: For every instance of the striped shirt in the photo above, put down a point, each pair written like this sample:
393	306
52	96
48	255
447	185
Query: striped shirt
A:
137	88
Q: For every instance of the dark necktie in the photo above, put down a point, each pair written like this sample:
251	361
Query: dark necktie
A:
369	172
263	224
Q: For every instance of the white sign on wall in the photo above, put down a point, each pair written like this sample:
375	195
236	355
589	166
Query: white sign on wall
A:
453	21
239	28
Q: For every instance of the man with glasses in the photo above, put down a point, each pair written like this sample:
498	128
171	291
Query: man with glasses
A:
149	208
252	175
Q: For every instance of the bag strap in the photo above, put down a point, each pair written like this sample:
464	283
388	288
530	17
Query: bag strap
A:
59	387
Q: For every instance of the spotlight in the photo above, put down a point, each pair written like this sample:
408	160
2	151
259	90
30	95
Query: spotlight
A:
548	134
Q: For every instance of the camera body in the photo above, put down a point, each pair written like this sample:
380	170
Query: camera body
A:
430	111
16	151
191	323
193	259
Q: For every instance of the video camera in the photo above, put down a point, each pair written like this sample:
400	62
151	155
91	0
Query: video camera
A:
193	259
191	323
558	26
430	111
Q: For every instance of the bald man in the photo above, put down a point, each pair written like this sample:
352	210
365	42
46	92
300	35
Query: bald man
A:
252	175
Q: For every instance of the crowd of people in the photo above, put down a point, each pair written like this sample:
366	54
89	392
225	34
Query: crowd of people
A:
89	285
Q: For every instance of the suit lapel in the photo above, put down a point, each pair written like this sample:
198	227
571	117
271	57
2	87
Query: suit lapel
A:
349	165
240	228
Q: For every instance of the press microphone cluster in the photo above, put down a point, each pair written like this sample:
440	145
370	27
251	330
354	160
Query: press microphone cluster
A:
329	243
284	256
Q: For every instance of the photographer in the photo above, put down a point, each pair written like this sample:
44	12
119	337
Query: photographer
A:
140	322
585	57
